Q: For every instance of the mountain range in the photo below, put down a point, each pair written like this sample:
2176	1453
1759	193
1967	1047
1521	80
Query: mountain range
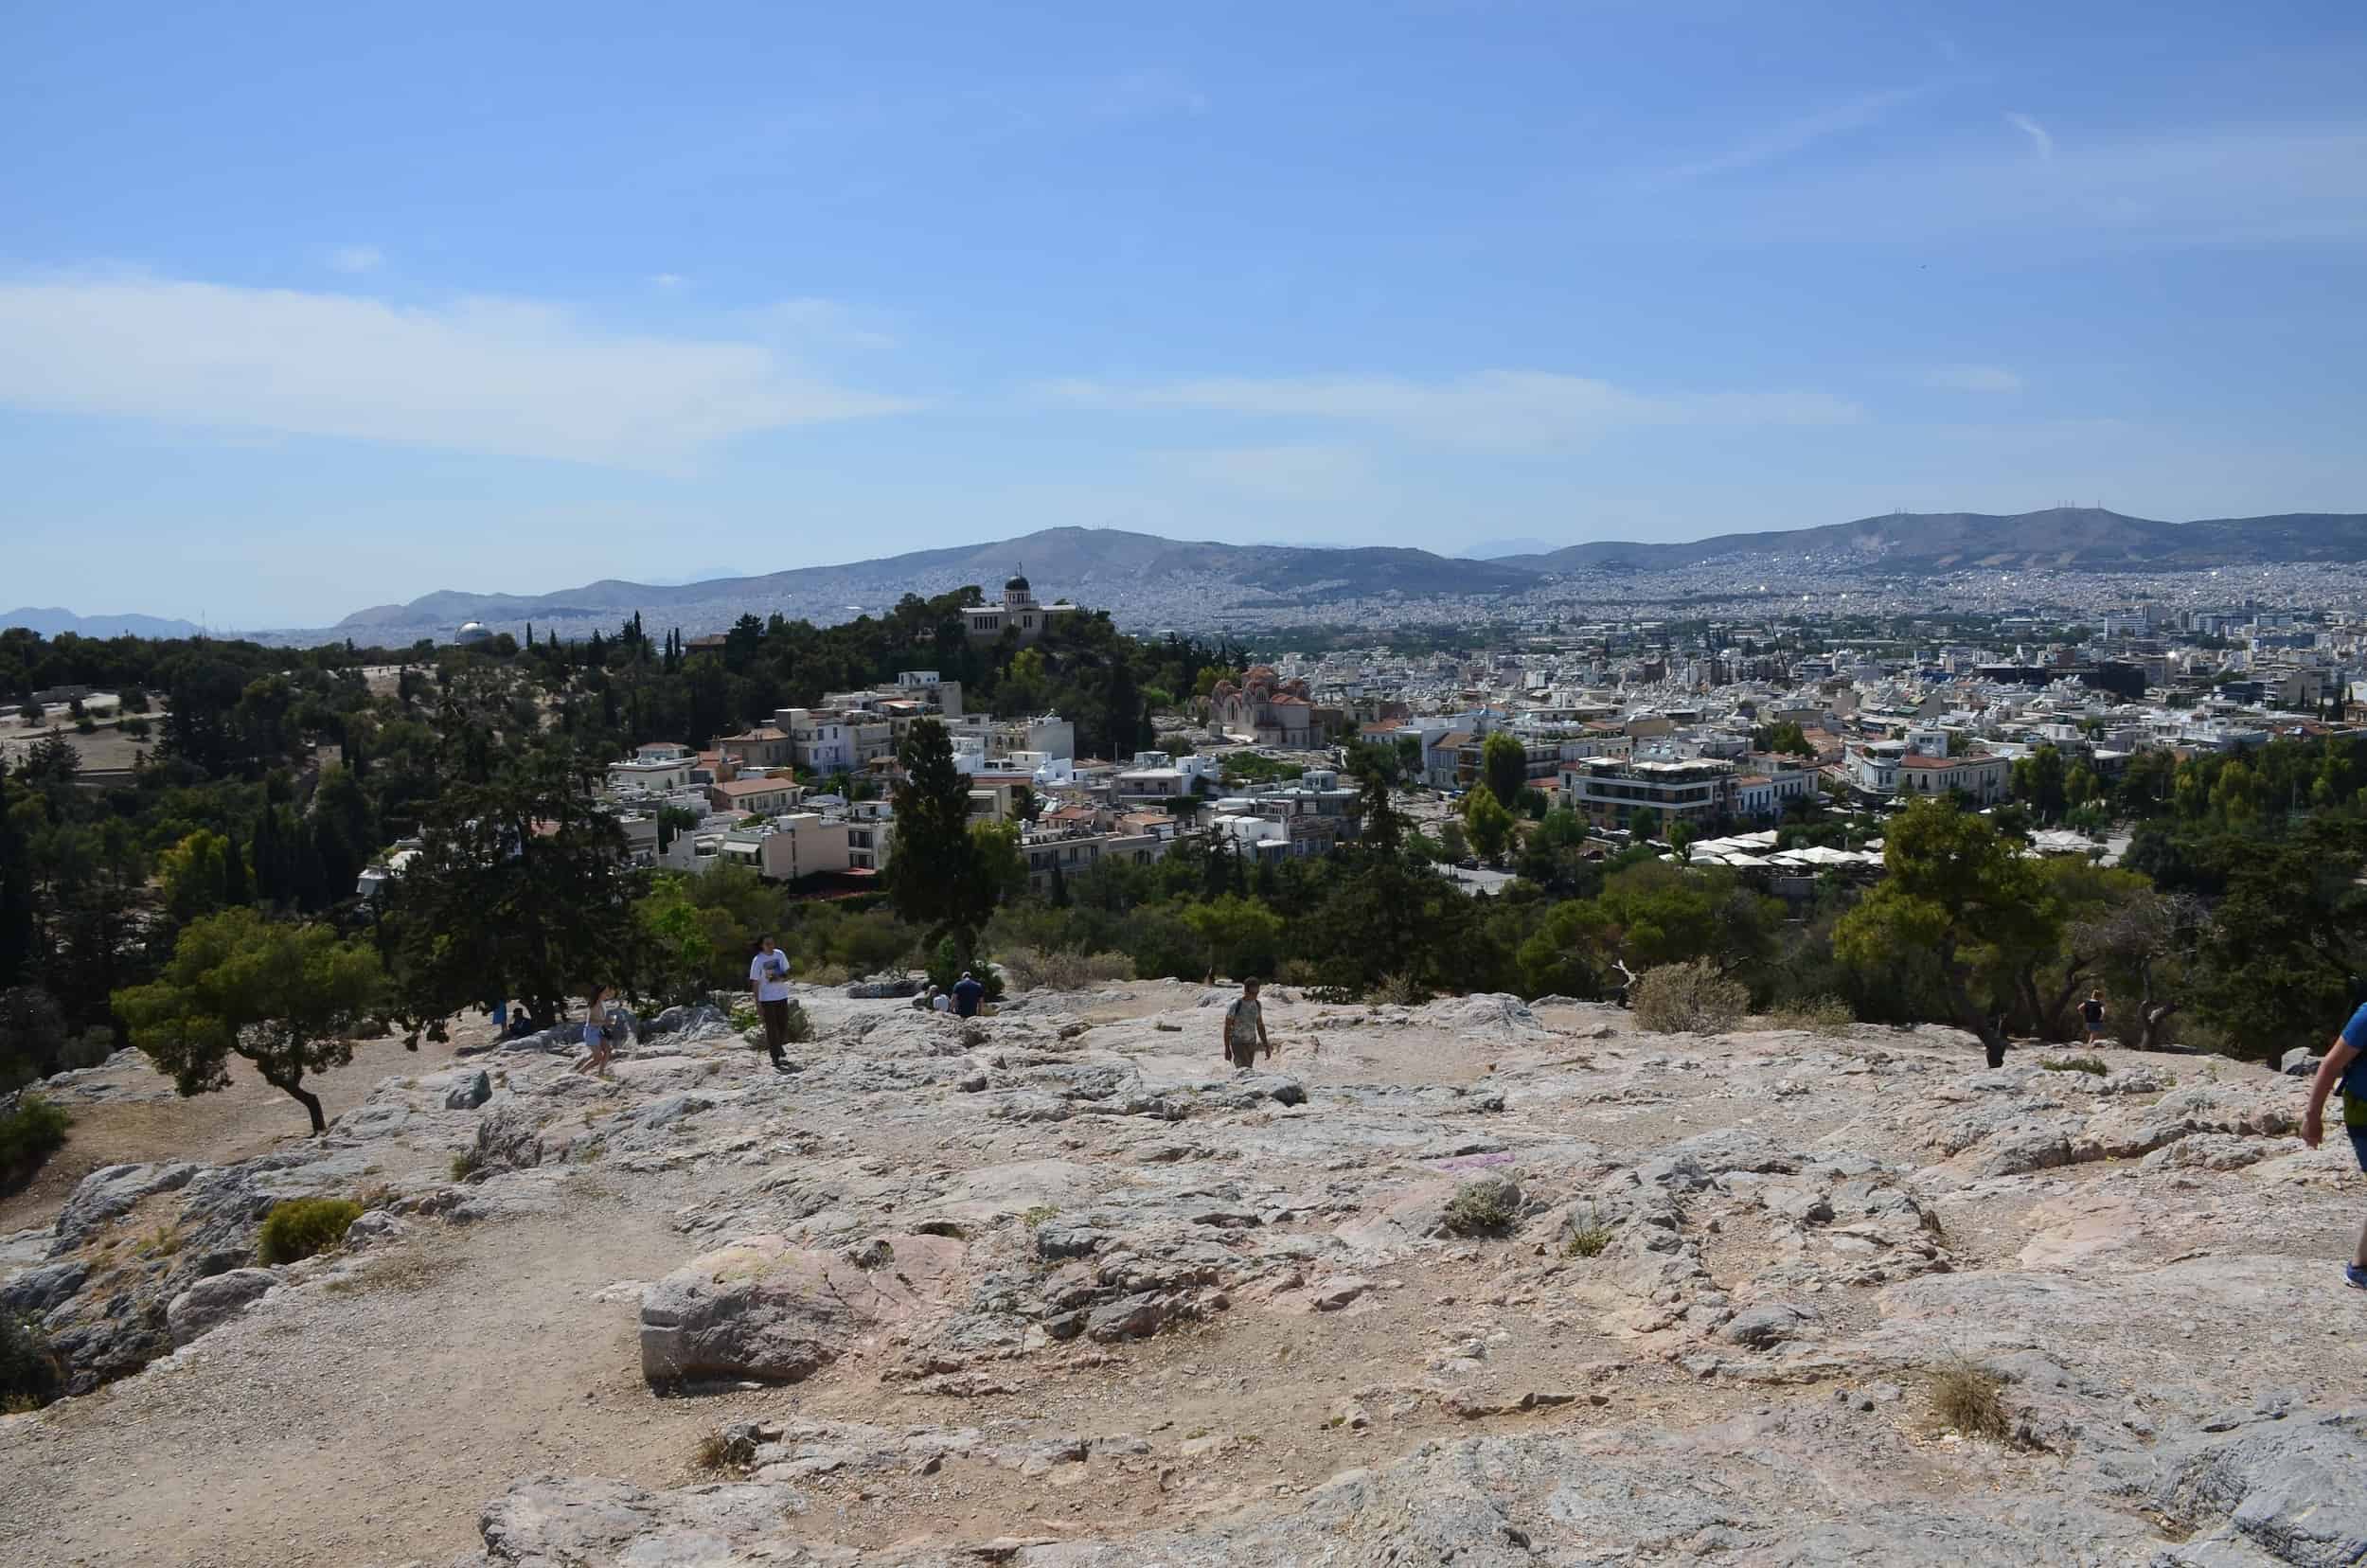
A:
2059	537
1133	572
51	621
1149	583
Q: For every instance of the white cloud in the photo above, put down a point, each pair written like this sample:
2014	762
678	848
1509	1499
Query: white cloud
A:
1973	377
669	281
356	259
818	323
1793	135
506	377
1509	409
2037	132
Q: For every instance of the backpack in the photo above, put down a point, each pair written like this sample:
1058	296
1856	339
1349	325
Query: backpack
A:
2355	1092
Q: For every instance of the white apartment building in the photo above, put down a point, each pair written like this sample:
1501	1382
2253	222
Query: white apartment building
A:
1920	766
1608	792
653	768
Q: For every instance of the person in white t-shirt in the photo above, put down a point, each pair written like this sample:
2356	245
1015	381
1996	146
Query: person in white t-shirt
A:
768	977
1245	1029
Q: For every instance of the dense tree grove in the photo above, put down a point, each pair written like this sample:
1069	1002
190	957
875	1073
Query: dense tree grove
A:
275	775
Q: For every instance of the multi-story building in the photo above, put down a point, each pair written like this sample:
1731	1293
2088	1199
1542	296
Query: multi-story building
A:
764	746
1610	791
1921	766
795	847
870	835
653	768
767	796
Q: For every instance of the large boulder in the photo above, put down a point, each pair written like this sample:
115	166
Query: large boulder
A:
210	1303
37	1289
509	1135
111	1191
471	1093
766	1309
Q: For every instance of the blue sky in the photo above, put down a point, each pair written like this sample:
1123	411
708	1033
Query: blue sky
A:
308	311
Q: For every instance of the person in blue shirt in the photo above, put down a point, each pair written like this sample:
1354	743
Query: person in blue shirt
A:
968	993
2346	1065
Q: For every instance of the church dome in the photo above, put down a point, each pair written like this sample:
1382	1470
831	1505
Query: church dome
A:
1017	585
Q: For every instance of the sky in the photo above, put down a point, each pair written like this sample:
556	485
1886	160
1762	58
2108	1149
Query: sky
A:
314	307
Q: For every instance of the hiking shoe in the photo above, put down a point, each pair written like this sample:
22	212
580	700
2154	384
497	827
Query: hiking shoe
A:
2355	1276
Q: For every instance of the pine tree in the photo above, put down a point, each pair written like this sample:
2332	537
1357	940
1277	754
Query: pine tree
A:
936	878
236	890
267	863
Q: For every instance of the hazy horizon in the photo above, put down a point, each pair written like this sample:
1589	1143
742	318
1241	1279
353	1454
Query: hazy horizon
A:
297	315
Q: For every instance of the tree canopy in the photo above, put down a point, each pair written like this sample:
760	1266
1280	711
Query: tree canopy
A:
283	996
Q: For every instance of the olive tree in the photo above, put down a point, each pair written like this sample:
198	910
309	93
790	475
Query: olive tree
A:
284	997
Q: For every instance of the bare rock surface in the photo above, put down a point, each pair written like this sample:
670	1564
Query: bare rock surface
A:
1061	1288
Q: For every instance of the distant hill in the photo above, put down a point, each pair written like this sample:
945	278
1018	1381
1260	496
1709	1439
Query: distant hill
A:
1093	566
1497	550
49	622
2059	537
1149	583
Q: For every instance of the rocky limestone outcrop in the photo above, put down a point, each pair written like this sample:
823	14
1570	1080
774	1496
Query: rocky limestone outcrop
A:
763	1308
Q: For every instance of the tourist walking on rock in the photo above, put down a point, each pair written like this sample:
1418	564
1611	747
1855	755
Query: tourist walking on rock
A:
968	994
2345	1065
1245	1029
595	1035
2092	1016
768	977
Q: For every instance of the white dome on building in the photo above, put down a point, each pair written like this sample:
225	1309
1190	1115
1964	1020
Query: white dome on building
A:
475	632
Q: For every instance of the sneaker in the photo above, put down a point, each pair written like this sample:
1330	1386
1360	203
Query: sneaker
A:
2355	1276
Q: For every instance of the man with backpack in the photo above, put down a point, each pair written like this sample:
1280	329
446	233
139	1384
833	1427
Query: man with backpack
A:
2346	1064
1245	1029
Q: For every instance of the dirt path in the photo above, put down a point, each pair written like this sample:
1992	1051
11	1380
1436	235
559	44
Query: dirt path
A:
365	1426
146	1120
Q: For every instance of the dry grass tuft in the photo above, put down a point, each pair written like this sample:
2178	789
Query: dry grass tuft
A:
1969	1400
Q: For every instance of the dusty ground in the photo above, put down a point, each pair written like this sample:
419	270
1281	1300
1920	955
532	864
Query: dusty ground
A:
366	1409
126	1111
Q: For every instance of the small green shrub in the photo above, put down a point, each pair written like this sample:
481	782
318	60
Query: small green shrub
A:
1824	1015
31	1374
2075	1064
1037	1215
1588	1242
1042	968
298	1228
1298	972
30	1134
1968	1400
800	1024
1689	998
745	1019
1401	989
1486	1206
465	1164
